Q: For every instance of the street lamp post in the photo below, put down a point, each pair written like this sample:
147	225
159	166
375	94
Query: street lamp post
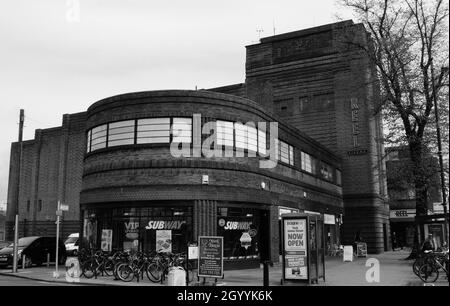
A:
16	220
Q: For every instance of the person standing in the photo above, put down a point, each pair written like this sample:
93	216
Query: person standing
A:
394	241
428	244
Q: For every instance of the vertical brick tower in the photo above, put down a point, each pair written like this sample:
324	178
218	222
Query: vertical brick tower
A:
315	81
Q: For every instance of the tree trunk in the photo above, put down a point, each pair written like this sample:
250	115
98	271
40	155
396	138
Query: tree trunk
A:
421	194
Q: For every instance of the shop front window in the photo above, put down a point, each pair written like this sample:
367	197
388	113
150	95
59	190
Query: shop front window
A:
241	231
147	229
166	229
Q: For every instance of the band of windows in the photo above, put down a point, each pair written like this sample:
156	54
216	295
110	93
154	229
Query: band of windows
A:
229	134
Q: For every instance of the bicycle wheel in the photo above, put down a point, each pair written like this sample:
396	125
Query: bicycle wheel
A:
88	268
428	273
154	272
109	267
125	273
417	264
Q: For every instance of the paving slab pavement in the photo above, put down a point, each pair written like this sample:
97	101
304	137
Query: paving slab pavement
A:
394	271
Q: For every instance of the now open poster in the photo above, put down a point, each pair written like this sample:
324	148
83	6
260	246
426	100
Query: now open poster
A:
295	249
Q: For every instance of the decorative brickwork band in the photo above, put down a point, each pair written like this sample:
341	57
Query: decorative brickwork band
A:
205	216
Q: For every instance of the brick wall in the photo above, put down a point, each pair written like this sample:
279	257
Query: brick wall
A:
51	171
293	74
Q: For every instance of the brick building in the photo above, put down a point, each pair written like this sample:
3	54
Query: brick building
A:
319	84
402	198
112	164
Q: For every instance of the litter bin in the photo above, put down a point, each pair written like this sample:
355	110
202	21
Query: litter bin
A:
176	277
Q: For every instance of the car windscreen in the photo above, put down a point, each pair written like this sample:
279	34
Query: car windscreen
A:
71	240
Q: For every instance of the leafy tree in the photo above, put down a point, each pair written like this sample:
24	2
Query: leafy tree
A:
408	45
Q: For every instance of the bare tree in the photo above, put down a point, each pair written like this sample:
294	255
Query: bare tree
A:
409	48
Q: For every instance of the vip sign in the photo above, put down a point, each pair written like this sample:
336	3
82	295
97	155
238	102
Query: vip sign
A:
167	225
131	230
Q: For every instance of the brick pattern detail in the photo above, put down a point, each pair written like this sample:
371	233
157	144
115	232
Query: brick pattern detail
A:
205	218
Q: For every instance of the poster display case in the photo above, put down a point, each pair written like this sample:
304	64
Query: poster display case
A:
303	251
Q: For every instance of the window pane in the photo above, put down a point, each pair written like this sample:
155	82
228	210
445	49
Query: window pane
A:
326	171
98	137
153	140
182	130
284	152
99	129
291	155
225	135
121	133
120	142
252	138
262	142
153	130
88	142
307	162
241	135
98	146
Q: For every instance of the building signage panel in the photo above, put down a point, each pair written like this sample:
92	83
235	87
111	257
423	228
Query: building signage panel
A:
286	210
106	240
166	225
193	251
164	241
295	249
402	213
210	259
329	219
234	225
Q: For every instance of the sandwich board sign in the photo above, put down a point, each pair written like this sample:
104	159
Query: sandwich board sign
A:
210	256
361	249
348	253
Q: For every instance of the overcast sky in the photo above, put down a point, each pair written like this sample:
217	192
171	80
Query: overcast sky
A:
54	61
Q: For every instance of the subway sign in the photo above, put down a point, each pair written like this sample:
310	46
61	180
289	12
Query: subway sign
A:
166	225
235	225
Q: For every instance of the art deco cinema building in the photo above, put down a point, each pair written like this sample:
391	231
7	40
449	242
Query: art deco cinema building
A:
113	164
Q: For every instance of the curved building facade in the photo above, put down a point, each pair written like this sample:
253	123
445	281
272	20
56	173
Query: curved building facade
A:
147	175
149	168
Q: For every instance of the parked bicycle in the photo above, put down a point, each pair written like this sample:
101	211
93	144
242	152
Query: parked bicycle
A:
429	271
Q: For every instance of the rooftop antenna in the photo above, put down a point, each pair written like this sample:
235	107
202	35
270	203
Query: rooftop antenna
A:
259	30
273	24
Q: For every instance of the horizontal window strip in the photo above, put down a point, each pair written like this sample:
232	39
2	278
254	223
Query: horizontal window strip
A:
121	136
153	134
120	142
121	124
153	140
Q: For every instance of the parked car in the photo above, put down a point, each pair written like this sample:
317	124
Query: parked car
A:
35	249
72	244
4	244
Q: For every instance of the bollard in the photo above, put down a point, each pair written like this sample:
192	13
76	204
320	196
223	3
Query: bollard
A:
266	264
48	260
23	261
